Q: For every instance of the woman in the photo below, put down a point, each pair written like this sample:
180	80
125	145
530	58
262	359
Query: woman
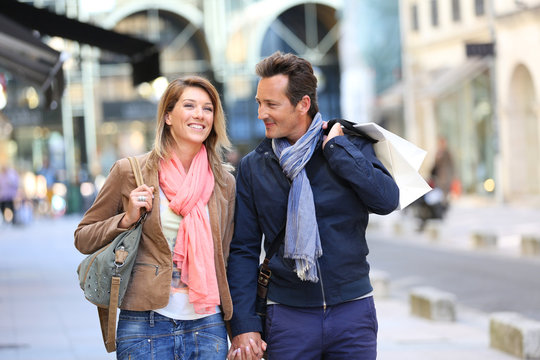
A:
178	296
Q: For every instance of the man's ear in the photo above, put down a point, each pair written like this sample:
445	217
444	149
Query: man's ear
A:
304	104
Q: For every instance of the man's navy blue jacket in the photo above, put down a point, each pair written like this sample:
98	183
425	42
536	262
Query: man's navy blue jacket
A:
348	183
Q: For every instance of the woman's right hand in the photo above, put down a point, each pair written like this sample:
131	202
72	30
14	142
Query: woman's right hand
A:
141	197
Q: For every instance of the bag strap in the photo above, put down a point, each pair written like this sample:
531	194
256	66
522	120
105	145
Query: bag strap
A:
107	317
136	170
264	271
275	244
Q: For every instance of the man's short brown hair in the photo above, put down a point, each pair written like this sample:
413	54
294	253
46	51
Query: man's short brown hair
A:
302	80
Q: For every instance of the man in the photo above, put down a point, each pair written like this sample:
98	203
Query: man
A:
323	188
442	172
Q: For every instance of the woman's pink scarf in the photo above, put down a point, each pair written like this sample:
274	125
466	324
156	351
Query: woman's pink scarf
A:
193	253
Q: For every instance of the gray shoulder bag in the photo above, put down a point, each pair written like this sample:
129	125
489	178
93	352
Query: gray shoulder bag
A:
104	275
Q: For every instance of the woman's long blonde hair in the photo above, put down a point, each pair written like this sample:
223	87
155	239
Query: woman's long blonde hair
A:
217	143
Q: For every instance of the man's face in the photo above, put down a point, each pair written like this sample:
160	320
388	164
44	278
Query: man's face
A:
281	118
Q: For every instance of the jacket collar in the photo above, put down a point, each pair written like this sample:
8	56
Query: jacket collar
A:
264	146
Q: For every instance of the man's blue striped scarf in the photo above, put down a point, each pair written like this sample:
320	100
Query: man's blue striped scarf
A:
302	241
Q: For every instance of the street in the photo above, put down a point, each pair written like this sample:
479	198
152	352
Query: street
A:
480	280
45	316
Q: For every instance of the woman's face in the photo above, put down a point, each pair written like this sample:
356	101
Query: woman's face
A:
192	117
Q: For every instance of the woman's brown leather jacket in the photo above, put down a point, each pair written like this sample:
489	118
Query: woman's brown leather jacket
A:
150	281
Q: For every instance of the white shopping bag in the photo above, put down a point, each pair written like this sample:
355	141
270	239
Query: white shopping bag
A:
402	159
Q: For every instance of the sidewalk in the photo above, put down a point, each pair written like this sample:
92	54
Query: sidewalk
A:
402	336
45	316
43	310
466	216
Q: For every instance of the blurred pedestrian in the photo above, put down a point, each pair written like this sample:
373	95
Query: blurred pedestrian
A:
177	298
442	173
9	186
321	190
435	203
49	173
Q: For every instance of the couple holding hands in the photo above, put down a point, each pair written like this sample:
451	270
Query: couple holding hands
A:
195	277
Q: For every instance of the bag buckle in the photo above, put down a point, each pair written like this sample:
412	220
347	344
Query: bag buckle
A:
264	277
120	256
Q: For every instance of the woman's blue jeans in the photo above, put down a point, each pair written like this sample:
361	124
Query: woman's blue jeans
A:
150	336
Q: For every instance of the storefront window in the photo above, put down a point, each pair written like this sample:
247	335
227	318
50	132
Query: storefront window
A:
464	117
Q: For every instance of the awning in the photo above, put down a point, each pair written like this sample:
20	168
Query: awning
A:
143	55
24	55
443	82
449	80
391	98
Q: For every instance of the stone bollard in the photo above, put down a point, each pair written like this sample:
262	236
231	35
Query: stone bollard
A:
380	281
433	229
398	228
530	245
484	240
433	304
514	334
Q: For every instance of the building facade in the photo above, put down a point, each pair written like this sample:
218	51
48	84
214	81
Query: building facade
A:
103	116
517	29
470	74
221	40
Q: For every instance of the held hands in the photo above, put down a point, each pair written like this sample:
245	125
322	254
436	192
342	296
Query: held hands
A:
247	346
336	130
141	197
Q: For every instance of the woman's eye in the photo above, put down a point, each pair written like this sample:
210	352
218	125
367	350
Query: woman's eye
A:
208	109
188	106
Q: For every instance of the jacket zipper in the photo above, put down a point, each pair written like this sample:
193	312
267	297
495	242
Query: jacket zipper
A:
322	286
156	266
272	156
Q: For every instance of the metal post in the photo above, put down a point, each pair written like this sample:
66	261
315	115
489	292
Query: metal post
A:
69	146
89	101
497	159
409	99
215	23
